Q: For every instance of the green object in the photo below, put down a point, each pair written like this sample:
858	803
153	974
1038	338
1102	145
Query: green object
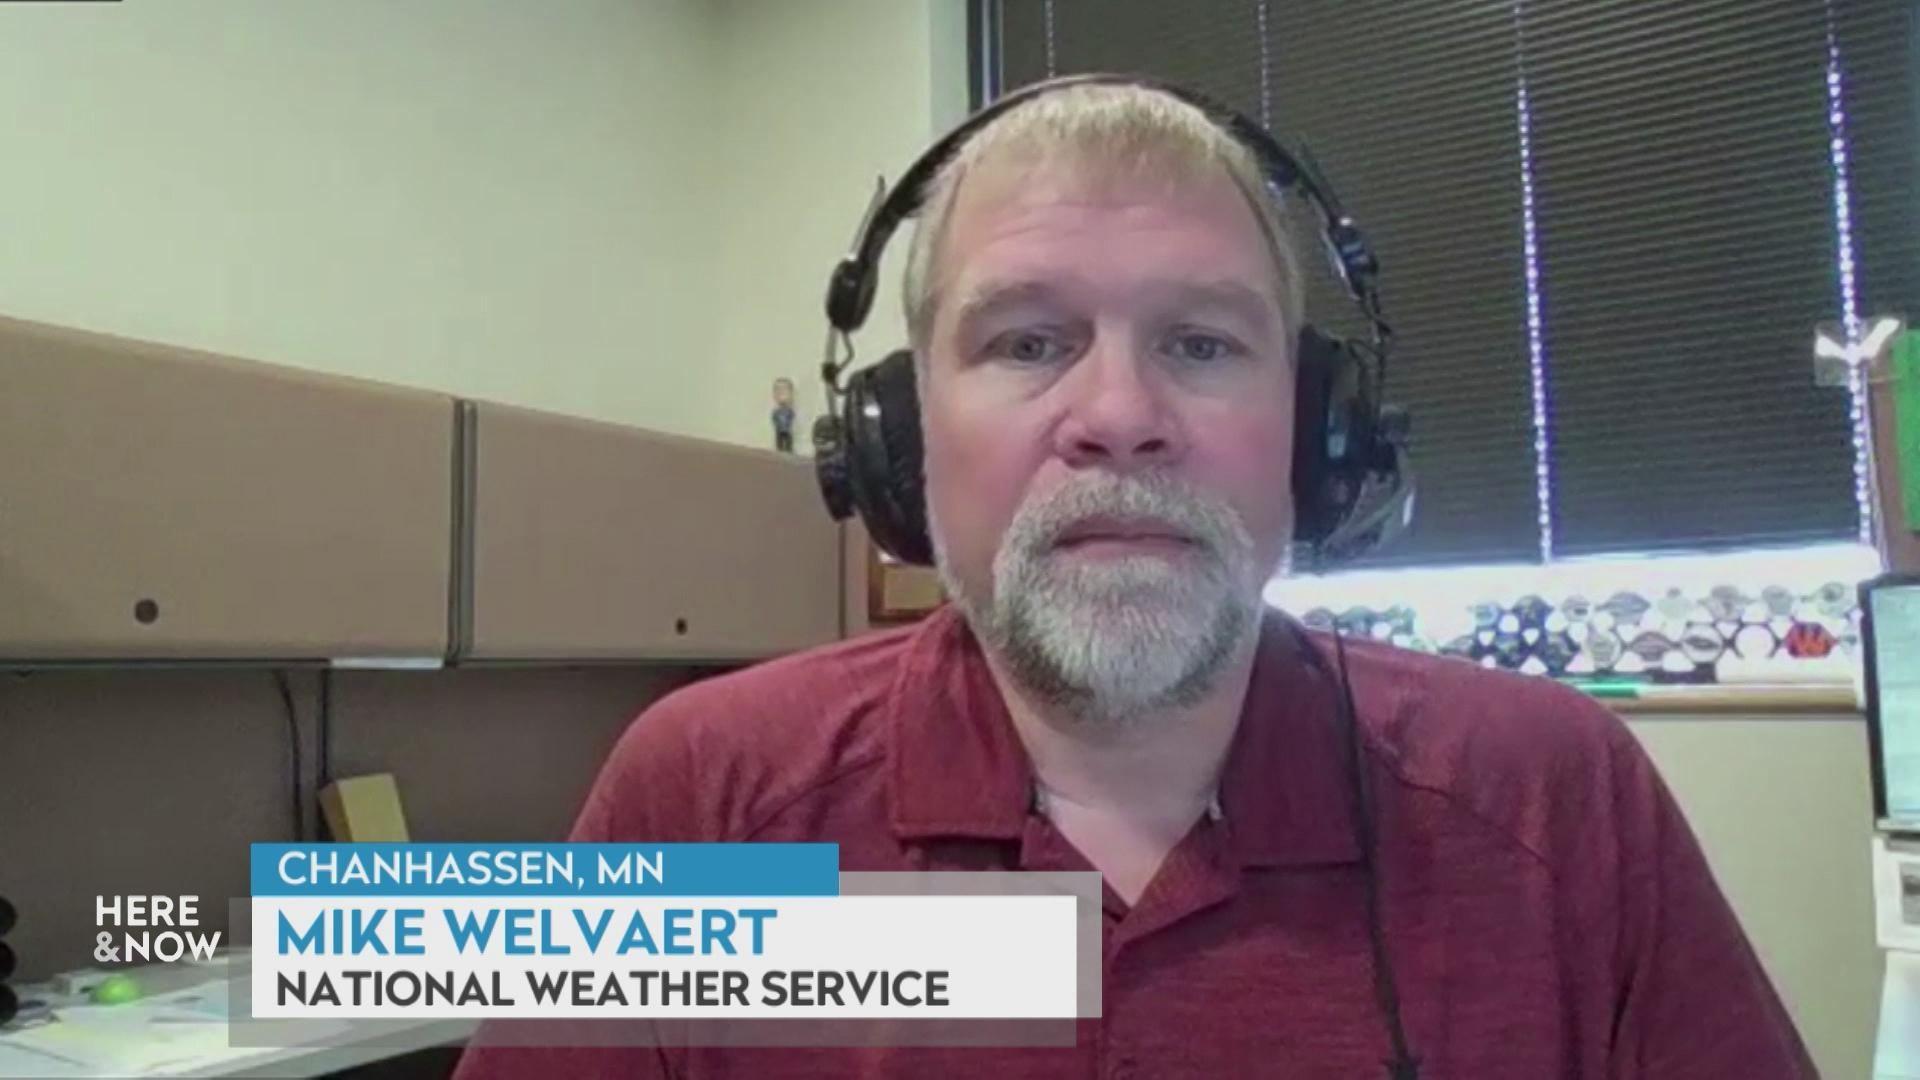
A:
1604	689
116	990
1906	421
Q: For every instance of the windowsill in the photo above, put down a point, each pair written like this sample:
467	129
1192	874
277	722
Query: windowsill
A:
1748	699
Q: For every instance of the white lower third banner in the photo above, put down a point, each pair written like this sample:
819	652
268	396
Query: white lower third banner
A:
732	957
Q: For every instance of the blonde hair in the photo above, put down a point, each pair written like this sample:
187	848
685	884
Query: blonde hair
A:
1106	134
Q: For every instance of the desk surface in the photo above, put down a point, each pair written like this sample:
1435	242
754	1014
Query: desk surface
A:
304	1061
1746	699
181	1028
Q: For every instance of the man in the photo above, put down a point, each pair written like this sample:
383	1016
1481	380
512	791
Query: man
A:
1103	306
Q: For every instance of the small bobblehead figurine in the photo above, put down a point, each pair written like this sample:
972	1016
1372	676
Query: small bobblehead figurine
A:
783	415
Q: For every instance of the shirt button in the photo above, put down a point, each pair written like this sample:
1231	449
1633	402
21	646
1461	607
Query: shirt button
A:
1123	1069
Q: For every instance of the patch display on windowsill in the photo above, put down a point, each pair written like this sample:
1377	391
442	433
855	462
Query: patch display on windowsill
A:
1673	637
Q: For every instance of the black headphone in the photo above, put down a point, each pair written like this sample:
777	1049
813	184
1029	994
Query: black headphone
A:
1352	485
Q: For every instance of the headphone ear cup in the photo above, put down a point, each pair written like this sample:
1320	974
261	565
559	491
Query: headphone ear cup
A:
830	466
885	458
1331	428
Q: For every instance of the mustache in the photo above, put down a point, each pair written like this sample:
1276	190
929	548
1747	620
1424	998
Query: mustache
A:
1159	500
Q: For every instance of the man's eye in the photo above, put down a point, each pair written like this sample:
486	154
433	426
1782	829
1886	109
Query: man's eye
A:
1200	348
1026	347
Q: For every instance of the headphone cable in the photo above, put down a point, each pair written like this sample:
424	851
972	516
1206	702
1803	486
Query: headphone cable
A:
1403	1065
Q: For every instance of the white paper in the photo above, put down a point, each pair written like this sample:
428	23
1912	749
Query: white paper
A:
1896	892
125	1046
1896	1054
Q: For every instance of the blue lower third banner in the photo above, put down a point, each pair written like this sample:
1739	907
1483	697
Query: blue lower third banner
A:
697	931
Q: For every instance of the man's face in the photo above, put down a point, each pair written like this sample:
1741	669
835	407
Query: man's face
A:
1108	411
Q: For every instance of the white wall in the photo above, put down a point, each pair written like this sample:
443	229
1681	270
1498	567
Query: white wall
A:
828	96
1783	809
622	209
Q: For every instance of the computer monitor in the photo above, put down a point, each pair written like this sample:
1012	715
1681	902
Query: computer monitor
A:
1890	636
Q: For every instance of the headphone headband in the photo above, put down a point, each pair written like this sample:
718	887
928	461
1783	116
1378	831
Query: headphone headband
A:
1352	486
851	289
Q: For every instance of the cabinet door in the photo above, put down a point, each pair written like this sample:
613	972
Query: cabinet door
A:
597	541
161	503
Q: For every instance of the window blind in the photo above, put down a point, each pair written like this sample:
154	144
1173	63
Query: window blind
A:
1608	229
1684	195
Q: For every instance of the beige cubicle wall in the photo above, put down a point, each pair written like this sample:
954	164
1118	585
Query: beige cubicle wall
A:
600	542
162	503
278	520
1782	806
154	781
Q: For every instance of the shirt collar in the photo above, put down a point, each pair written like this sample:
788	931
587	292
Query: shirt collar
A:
957	767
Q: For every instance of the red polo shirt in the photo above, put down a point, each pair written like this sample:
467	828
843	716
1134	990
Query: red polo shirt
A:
1548	911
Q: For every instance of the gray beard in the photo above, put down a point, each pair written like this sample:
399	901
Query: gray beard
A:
1107	643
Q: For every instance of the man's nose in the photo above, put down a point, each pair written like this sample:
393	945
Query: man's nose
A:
1117	413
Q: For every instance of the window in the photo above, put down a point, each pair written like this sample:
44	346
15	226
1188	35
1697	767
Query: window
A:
1608	229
